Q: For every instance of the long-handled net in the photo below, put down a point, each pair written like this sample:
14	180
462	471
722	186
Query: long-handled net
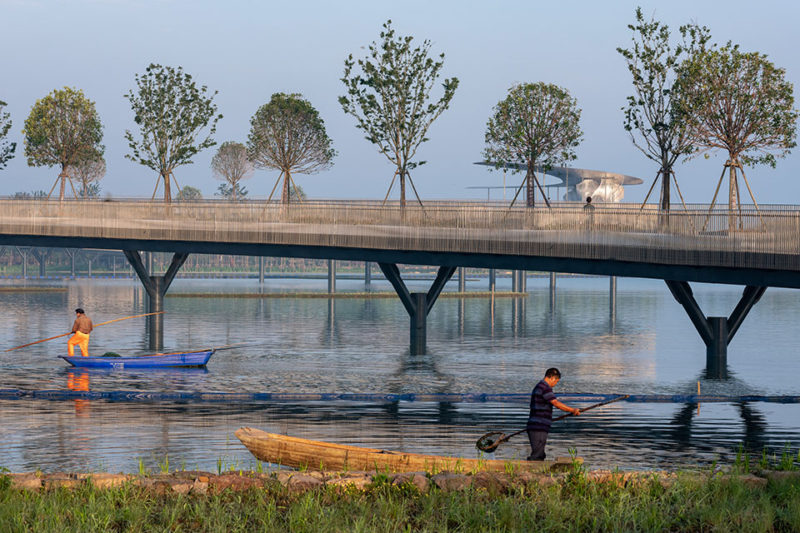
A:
490	441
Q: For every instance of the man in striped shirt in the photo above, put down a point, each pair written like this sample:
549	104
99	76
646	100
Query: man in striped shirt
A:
542	401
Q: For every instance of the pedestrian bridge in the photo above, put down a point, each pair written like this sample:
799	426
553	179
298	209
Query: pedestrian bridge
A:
748	248
754	248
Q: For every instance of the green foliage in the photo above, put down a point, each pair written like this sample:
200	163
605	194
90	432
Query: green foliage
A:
232	192
739	102
27	195
87	173
296	193
63	129
91	190
390	97
171	111
287	134
652	115
537	123
231	164
7	148
189	193
689	503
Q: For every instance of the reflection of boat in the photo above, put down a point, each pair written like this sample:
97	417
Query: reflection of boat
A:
161	360
302	453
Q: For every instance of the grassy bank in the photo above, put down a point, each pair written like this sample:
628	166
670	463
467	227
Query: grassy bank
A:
577	503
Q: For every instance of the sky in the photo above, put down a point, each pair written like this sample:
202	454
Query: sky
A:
248	50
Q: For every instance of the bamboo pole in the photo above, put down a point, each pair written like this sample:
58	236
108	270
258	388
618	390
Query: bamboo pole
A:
96	325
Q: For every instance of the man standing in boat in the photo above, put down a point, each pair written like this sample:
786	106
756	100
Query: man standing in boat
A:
81	330
542	401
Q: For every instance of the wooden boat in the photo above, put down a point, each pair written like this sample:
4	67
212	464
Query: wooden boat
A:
317	455
161	360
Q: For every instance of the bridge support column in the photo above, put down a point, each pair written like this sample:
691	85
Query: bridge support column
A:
553	279
23	252
612	303
156	287
462	280
41	256
367	276
492	279
716	331
331	276
261	270
417	304
71	253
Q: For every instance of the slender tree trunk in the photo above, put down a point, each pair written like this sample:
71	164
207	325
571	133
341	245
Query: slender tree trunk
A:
167	189
733	194
666	175
403	188
286	191
63	177
531	193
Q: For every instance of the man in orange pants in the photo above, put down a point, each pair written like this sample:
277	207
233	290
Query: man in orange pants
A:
81	329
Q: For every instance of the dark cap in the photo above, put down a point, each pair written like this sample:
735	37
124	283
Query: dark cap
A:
79	310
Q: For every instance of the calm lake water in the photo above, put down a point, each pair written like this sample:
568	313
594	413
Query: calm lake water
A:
310	345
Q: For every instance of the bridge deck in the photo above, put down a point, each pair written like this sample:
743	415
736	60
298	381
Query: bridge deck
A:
748	248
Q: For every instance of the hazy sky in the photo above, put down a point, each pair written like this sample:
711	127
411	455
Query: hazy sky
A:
248	50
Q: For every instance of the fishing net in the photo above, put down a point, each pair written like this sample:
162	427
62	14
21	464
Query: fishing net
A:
490	441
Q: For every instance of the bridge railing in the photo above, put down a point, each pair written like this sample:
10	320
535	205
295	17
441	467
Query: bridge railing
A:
765	238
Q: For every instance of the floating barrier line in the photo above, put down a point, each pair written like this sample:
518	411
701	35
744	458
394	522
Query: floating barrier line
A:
236	397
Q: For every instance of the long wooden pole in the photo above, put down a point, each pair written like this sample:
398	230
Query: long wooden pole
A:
96	325
487	444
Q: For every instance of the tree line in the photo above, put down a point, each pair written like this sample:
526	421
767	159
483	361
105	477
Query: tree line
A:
690	97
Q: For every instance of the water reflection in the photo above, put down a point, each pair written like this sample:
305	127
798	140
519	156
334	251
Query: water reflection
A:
302	345
78	380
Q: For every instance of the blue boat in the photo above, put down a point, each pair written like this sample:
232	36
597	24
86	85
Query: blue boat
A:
160	360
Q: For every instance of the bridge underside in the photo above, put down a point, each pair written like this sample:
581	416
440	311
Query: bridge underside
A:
601	267
716	332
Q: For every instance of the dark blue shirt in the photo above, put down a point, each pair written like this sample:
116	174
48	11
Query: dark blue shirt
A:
541	409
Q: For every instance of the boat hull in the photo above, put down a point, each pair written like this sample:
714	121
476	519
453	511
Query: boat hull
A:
173	360
317	455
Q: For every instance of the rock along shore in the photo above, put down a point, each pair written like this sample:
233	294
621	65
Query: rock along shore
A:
198	482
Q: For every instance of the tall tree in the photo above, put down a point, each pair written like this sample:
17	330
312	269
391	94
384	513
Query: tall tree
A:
287	134
87	174
7	148
231	164
171	111
390	99
652	116
537	123
63	129
740	103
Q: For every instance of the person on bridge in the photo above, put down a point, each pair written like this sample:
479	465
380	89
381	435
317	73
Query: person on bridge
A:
542	401
81	329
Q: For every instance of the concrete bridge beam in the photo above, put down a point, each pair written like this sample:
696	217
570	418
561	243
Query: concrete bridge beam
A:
156	287
418	304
